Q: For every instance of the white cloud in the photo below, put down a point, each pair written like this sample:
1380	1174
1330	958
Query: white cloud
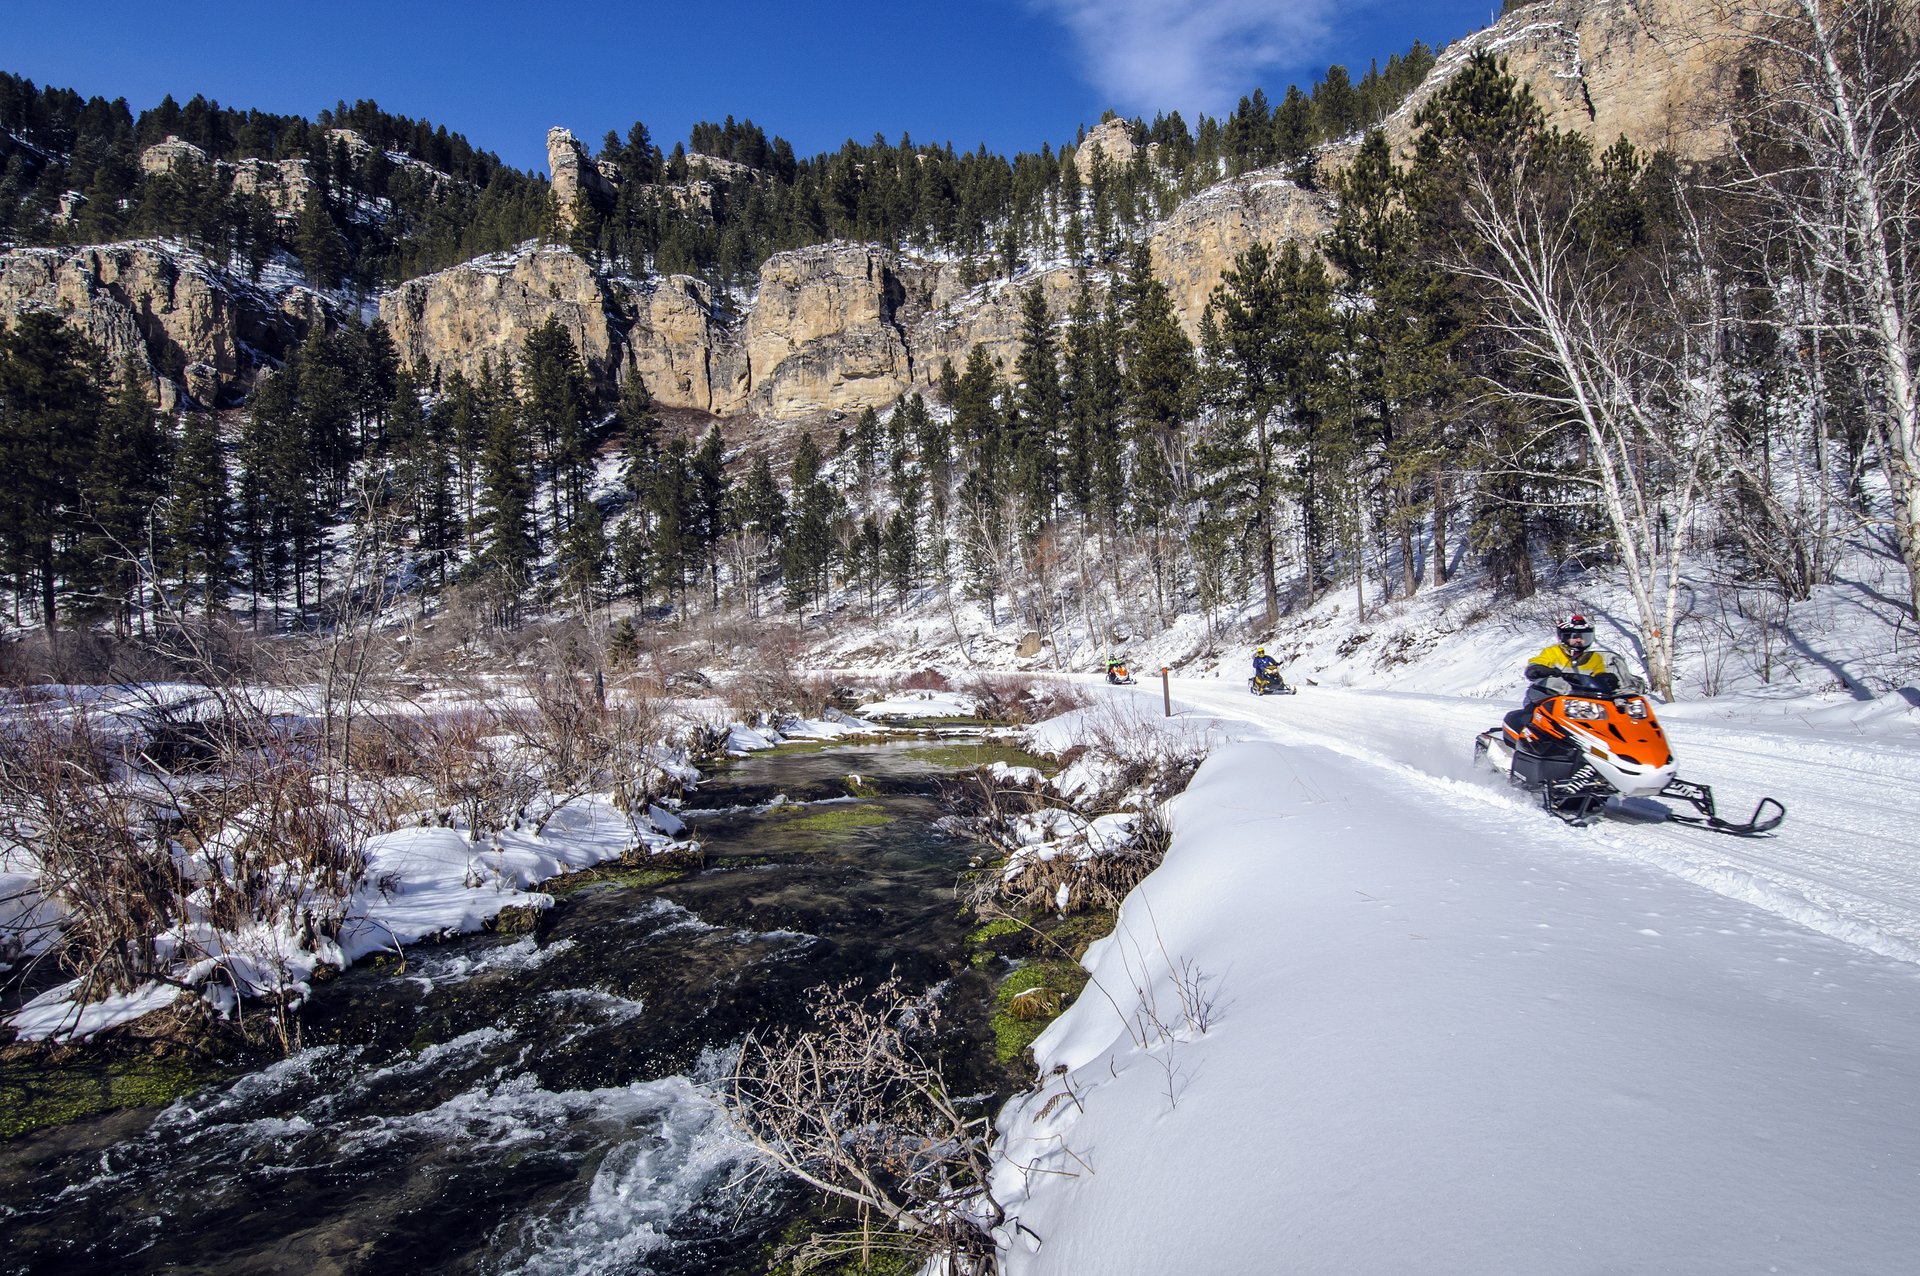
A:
1156	55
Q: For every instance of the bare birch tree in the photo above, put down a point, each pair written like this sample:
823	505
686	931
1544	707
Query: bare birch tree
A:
1613	354
1829	132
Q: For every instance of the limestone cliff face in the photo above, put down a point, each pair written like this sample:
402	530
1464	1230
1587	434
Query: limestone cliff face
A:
823	334
1654	71
283	184
830	329
1196	245
574	174
1112	141
487	308
686	355
988	315
196	329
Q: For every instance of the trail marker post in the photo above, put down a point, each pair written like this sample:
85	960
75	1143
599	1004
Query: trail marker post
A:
1166	692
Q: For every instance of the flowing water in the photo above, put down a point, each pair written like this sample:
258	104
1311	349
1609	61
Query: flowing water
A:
534	1104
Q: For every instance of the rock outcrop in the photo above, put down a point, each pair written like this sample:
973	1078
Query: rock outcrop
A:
172	155
831	329
989	315
487	308
198	330
575	174
824	333
678	345
1197	243
283	184
1658	72
1112	141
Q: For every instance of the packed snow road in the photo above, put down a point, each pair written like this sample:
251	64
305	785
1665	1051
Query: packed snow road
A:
1377	1013
1846	862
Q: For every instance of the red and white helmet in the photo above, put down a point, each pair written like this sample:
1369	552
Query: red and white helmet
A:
1576	633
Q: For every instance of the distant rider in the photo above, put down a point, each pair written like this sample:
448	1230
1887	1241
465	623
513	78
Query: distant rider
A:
1265	667
1116	669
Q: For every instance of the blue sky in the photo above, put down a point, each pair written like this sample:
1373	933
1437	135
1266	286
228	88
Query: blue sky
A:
1009	73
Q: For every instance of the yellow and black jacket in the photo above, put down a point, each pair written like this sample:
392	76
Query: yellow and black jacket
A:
1557	659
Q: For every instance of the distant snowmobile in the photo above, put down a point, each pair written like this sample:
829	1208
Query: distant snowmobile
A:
1118	675
1271	684
1597	741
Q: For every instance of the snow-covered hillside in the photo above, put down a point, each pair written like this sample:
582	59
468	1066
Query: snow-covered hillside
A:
1376	1013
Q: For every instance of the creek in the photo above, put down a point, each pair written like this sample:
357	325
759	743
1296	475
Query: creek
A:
539	1103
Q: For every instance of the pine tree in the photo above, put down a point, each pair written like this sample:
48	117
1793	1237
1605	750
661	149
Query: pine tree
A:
507	506
1393	359
198	529
808	550
124	480
901	554
555	404
1036	421
583	557
321	248
708	472
49	403
1480	122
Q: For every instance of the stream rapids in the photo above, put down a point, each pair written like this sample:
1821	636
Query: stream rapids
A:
539	1103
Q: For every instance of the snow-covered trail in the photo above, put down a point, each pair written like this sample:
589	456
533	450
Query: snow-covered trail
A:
1846	862
1451	1035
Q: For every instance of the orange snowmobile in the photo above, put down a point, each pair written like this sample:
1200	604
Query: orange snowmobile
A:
1597	742
1117	673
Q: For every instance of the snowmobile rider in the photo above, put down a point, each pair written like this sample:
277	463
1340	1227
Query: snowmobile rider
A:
1265	667
1573	653
1115	668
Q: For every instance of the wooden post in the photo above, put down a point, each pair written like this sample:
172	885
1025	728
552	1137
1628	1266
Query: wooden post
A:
1166	692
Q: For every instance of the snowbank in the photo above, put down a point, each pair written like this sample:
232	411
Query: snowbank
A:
922	704
1340	1030
421	883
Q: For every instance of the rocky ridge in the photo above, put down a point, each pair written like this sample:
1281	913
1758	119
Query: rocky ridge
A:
199	331
1652	71
832	328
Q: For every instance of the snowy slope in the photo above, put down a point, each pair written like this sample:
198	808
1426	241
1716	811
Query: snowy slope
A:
1450	1035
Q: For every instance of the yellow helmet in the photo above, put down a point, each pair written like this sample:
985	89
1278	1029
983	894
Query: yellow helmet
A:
1259	651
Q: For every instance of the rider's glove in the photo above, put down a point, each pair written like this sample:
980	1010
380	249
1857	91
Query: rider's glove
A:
1557	686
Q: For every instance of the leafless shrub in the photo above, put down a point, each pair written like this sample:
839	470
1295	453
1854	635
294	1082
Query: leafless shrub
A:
1097	880
926	680
1024	698
1144	762
98	857
769	693
855	1110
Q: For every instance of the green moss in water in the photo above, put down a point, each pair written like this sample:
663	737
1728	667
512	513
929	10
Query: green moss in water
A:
32	1098
1075	934
994	930
843	818
1013	1031
967	755
624	878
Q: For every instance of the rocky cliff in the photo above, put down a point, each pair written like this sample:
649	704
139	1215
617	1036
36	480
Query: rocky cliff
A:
1658	72
833	328
198	330
829	329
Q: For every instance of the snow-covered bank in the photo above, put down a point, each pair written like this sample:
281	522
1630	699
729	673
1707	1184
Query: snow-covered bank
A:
1437	1043
421	883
